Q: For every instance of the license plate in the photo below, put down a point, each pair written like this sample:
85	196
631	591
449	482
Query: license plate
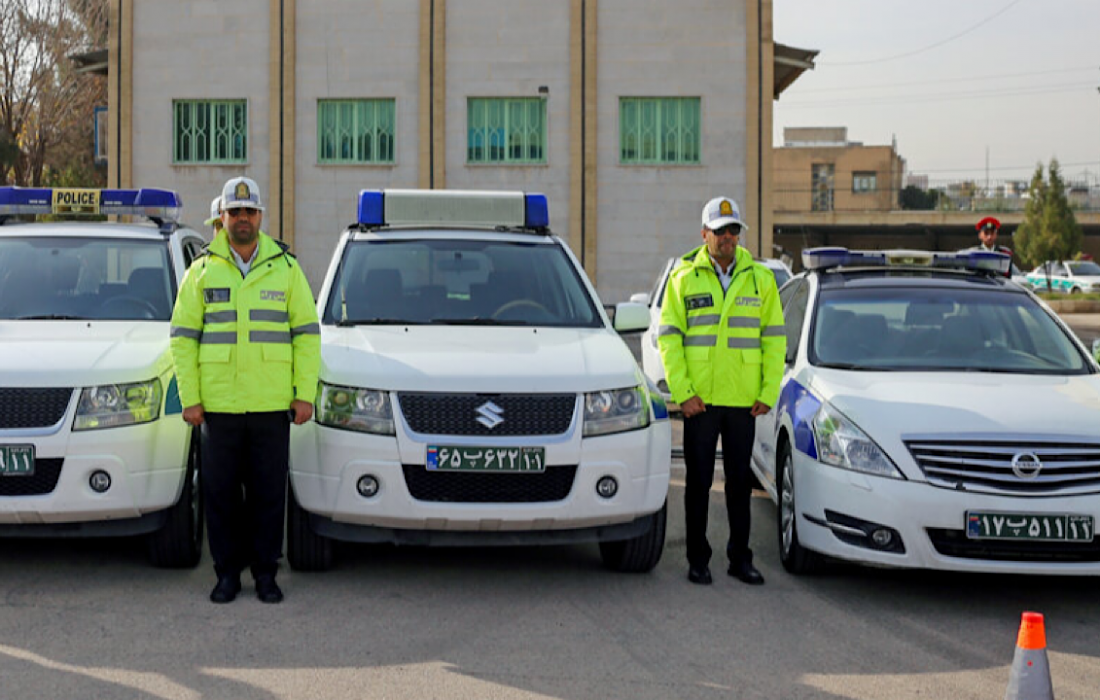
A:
16	460
1024	526
486	459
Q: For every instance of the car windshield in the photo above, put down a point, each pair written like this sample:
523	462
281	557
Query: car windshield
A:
925	329
1084	267
459	282
59	278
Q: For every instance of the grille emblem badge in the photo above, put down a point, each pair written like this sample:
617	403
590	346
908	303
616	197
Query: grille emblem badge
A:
490	415
1026	465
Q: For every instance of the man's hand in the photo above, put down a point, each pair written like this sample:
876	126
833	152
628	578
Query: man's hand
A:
193	415
303	411
759	409
692	407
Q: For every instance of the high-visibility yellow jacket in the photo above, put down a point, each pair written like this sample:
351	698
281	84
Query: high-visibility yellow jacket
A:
245	344
726	348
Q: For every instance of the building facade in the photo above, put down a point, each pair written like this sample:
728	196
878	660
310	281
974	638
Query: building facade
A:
627	115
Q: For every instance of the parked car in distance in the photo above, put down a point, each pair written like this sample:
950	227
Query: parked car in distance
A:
899	439
651	357
92	442
1066	276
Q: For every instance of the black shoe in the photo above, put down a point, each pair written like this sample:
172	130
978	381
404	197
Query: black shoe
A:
226	590
747	573
267	590
700	575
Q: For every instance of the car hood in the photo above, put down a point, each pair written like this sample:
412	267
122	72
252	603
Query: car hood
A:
81	353
890	406
479	359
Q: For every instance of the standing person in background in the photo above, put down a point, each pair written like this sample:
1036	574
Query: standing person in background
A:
723	343
246	345
215	219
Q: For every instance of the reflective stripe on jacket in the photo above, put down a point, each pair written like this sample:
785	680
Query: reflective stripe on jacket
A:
245	344
726	348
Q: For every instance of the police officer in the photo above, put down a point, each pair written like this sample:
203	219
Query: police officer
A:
988	228
215	219
246	345
722	344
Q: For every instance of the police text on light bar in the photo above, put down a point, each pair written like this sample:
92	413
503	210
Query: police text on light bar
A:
164	205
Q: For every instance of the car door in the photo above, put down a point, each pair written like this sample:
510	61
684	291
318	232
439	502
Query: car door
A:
794	298
651	356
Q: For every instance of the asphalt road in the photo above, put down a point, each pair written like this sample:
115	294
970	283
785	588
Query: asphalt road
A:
89	619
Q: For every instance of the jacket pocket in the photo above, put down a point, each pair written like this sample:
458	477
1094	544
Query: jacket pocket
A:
274	352
214	353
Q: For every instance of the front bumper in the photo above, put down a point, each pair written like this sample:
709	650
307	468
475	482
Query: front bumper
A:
932	524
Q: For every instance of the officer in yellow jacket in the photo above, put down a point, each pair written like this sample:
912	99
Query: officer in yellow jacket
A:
723	344
246	345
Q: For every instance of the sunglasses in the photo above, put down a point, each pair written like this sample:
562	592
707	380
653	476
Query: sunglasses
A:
731	229
238	212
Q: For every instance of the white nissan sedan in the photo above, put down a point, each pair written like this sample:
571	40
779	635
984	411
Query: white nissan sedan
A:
900	439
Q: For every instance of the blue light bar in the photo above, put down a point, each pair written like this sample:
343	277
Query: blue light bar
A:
973	260
537	212
976	260
371	212
163	205
825	258
453	207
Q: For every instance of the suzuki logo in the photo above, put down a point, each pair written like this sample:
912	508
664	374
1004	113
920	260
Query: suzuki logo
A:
1026	465
490	415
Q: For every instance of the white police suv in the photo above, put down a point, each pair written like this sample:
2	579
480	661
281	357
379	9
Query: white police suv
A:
91	440
474	392
933	415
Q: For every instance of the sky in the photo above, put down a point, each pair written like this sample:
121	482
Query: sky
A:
952	81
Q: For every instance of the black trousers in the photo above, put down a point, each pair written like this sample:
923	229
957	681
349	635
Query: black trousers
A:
245	458
737	427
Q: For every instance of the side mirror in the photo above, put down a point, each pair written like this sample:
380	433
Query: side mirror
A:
639	298
631	316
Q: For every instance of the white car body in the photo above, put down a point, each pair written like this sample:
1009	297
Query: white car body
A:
1066	276
651	356
54	360
962	442
426	362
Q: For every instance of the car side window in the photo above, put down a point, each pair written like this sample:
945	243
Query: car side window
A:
794	298
191	250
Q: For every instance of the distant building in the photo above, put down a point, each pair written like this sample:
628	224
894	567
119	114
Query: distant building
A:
918	181
819	169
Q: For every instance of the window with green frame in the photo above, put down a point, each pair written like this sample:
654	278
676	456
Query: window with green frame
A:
355	131
510	131
659	130
209	131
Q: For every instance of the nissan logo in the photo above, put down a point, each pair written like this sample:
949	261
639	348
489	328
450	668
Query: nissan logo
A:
490	415
1026	465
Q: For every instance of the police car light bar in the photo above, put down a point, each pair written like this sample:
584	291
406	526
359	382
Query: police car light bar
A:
973	260
453	208
159	205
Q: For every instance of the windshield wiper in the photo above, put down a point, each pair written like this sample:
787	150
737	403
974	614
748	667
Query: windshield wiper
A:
51	317
377	321
477	322
849	365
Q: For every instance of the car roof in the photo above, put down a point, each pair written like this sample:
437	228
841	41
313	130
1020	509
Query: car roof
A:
409	233
85	229
871	278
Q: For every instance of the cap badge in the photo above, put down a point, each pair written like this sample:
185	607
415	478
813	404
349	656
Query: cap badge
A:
725	209
241	192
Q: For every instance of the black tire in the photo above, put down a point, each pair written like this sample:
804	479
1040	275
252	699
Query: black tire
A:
640	554
178	543
305	549
795	558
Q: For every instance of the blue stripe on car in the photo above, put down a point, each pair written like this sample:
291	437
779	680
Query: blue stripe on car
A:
797	401
172	399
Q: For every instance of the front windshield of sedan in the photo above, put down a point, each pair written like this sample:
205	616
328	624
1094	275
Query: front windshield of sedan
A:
459	282
60	278
1082	268
924	329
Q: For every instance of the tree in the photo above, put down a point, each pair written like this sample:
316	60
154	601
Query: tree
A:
1050	230
914	198
45	105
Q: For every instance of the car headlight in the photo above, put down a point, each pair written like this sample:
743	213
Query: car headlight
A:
114	405
841	444
366	410
615	411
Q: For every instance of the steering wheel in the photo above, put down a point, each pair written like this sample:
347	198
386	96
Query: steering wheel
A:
519	304
145	307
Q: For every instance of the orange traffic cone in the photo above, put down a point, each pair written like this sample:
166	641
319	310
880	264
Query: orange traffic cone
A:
1030	679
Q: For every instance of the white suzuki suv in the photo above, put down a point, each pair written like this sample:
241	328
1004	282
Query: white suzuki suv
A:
473	392
91	439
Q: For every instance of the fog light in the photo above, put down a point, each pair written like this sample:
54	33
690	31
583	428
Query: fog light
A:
367	486
100	481
882	537
607	487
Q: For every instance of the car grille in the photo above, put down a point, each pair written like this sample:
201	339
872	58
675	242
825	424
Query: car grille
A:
955	543
457	414
44	479
554	484
32	408
986	466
